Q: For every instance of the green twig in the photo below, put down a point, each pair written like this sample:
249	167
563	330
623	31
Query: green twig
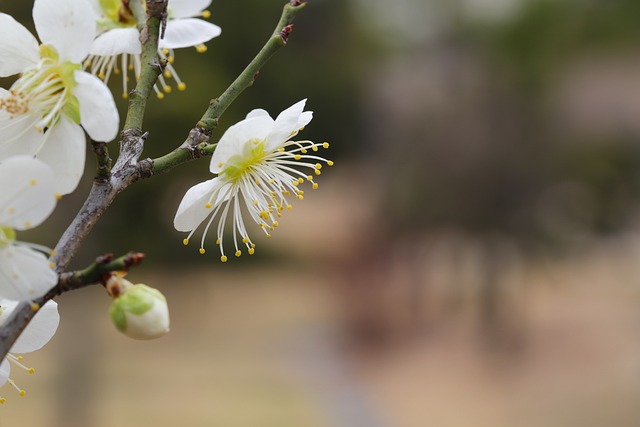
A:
196	145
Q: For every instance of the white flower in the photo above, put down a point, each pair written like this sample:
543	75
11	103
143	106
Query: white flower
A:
41	113
37	333
27	198
256	165
117	50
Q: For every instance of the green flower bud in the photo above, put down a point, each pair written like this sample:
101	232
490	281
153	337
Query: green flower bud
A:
138	311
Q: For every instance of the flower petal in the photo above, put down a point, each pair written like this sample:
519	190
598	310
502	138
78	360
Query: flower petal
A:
18	47
188	32
235	138
288	123
28	192
116	42
187	8
5	371
98	112
69	25
64	151
39	331
25	274
257	113
192	210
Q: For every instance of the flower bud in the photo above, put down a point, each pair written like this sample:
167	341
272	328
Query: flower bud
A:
138	311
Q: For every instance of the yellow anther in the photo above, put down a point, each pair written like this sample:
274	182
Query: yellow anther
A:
238	252
314	147
303	151
101	75
208	205
167	89
165	51
330	162
300	197
251	251
201	48
268	236
287	193
275	224
223	258
185	242
57	196
167	74
125	95
318	166
281	149
201	250
300	180
206	14
170	59
2	400
245	240
295	183
116	71
253	245
182	86
315	186
318	172
52	265
325	145
33	182
31	371
297	157
160	95
300	192
271	181
289	207
218	241
309	178
35	307
130	67
22	393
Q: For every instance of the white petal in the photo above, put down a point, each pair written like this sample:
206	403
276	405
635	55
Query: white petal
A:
69	25
116	42
288	123
18	47
235	138
39	331
192	210
25	274
5	371
19	135
257	113
188	32
64	151
187	8
28	192
98	112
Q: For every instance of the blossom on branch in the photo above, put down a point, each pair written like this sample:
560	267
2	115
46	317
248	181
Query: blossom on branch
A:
41	114
117	49
37	333
258	166
26	200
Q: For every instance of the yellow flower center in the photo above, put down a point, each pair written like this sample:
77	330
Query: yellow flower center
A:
240	164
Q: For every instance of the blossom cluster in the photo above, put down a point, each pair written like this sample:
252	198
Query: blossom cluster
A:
59	95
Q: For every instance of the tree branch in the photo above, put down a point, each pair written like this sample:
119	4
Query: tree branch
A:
93	274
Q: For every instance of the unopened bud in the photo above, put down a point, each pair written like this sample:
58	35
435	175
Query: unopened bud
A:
139	311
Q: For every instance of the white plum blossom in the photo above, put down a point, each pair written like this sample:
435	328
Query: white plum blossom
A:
37	333
41	114
26	200
257	166
117	49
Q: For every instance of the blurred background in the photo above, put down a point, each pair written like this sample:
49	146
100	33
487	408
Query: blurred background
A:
472	259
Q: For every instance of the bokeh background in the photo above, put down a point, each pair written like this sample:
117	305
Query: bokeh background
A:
472	259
